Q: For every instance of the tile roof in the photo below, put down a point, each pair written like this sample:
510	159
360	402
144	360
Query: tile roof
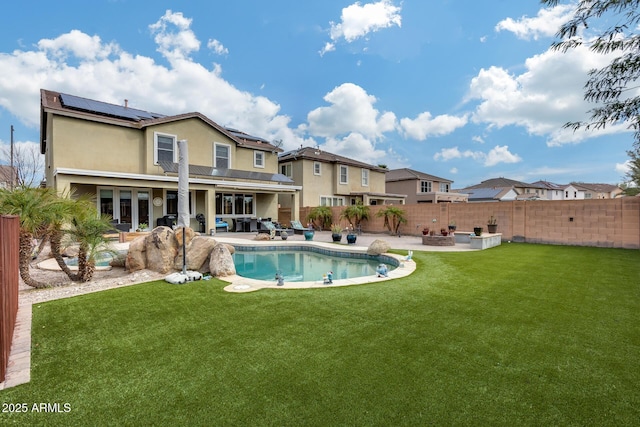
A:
311	153
404	174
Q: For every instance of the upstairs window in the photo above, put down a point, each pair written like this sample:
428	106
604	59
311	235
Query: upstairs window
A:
425	186
222	156
286	169
164	148
258	159
316	168
444	187
344	175
365	177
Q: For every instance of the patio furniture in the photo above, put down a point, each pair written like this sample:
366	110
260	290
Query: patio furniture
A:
221	224
268	227
298	228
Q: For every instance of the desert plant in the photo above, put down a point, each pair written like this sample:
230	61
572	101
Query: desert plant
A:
355	214
336	228
320	216
393	218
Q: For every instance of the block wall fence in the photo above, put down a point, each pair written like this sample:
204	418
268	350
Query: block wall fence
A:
613	223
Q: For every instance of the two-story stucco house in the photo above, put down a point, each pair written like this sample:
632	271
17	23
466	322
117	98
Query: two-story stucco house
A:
421	187
128	158
329	179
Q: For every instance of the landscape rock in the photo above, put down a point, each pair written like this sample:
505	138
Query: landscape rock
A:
136	258
197	254
190	234
161	249
220	261
378	247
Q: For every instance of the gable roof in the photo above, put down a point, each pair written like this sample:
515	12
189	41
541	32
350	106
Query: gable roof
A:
595	187
405	174
89	109
503	182
315	154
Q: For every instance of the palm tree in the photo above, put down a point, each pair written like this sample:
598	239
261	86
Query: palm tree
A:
36	209
393	217
322	214
88	229
355	214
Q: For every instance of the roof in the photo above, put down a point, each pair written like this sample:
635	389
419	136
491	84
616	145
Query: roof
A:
496	193
405	174
315	154
122	115
598	188
503	182
208	171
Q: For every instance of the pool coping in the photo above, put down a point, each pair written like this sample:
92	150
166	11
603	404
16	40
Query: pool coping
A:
239	284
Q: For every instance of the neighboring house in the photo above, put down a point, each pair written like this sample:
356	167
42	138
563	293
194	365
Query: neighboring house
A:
128	159
328	179
421	187
503	189
8	176
580	190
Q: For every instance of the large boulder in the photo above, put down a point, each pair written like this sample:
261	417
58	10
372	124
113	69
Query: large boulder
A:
220	261
197	254
189	235
161	248
378	247
137	255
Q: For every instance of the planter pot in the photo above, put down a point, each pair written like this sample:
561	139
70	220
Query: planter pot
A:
425	231
351	238
336	237
477	231
492	228
444	233
308	235
452	228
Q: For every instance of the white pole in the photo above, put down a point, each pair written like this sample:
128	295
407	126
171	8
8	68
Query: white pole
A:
183	197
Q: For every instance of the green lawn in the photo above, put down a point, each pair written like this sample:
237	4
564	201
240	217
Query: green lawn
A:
515	335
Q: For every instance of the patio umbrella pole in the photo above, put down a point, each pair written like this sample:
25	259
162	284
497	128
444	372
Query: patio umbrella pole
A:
183	194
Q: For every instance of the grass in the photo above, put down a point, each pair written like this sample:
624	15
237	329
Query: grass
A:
516	335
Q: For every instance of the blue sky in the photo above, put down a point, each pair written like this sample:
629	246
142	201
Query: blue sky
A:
460	89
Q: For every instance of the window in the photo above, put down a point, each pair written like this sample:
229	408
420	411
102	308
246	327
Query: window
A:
234	204
425	186
365	177
316	168
222	156
171	202
344	175
331	201
164	148
258	159
286	169
444	187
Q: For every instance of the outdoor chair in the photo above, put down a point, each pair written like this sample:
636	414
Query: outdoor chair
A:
269	227
298	228
221	224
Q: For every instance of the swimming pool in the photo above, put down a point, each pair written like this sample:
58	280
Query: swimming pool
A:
305	263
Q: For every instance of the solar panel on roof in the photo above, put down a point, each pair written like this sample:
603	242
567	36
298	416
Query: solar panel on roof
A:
98	107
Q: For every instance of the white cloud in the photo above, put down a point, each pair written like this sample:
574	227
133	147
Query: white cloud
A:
356	146
358	20
351	110
77	44
623	168
541	99
545	24
501	154
498	154
217	47
174	37
425	126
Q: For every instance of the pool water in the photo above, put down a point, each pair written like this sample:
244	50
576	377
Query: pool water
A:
304	265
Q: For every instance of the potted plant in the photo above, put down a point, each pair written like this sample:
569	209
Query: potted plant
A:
308	234
477	231
336	232
452	226
425	231
351	236
492	224
142	227
284	235
444	231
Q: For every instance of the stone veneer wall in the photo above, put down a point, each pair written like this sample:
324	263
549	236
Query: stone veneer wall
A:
602	222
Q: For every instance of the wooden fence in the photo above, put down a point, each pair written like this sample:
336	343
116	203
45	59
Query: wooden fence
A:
9	248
